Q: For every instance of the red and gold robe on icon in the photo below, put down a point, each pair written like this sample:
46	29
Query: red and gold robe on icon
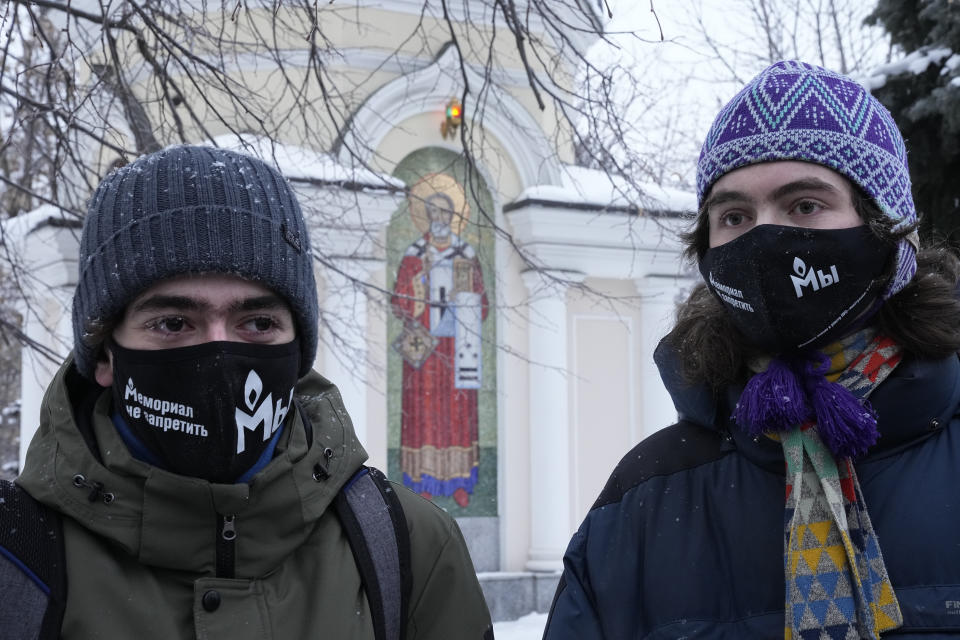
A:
439	296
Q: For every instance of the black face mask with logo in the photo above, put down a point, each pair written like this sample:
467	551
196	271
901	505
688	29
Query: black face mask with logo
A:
209	410
789	288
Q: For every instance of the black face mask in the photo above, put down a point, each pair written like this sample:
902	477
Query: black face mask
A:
789	288
208	410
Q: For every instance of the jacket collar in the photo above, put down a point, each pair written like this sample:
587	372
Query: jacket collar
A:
919	398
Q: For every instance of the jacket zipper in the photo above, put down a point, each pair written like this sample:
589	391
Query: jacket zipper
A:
226	546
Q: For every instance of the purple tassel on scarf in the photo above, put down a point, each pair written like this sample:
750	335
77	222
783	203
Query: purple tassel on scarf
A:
773	400
846	425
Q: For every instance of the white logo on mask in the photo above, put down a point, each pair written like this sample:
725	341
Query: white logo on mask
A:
733	297
812	278
269	415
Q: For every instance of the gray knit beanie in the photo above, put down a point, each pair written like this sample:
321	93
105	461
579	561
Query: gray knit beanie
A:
188	210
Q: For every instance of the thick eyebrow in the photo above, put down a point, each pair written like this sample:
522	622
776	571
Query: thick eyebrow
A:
186	303
160	301
260	303
804	184
722	197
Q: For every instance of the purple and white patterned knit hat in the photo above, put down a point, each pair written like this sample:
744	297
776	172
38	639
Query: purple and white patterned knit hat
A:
798	111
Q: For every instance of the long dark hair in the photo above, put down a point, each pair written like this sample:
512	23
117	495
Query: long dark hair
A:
923	317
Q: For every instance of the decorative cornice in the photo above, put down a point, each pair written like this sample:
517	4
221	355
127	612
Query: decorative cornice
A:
605	245
578	206
362	218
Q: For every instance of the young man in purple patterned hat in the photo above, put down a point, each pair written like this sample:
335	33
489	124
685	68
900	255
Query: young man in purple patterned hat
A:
808	489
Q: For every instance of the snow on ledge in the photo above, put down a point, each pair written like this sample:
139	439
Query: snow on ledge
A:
302	164
596	189
16	229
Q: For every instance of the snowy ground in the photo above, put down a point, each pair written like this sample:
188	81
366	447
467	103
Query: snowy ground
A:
529	627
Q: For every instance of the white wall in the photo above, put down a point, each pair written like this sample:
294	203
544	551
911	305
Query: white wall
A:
617	398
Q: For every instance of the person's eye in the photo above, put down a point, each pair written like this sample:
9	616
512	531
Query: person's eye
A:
807	207
732	219
168	324
261	324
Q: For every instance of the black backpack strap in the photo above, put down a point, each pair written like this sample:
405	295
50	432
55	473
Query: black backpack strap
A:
33	578
373	520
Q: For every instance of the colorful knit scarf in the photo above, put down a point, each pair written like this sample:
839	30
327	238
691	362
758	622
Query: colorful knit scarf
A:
837	585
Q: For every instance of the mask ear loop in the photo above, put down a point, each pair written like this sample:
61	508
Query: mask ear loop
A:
877	285
861	321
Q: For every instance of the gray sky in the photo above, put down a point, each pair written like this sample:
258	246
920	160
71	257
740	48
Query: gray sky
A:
710	48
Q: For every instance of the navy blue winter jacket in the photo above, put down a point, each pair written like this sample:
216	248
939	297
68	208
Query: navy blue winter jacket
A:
686	539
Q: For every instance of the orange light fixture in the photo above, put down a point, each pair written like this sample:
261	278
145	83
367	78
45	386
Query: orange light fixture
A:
454	117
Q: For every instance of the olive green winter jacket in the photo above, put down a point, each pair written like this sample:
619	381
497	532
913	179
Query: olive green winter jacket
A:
142	546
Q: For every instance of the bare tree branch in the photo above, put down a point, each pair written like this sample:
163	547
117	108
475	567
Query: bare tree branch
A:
87	90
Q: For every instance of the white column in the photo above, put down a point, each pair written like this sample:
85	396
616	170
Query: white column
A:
344	336
659	298
50	258
551	499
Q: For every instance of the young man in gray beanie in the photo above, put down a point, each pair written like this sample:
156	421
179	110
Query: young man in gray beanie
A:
202	473
808	489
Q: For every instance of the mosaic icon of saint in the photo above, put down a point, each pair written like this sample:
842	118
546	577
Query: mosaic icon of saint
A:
439	296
